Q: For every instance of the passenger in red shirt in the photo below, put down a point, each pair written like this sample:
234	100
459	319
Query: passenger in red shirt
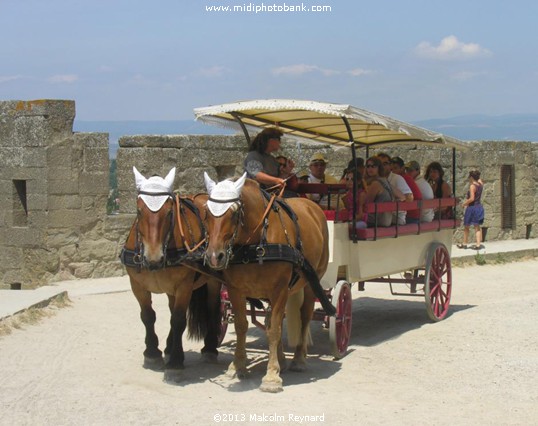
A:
397	167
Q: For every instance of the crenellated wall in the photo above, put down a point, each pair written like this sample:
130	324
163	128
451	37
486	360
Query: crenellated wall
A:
54	185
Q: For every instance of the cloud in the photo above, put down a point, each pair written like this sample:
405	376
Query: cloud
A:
358	72
6	78
467	75
211	72
106	68
450	48
300	69
64	78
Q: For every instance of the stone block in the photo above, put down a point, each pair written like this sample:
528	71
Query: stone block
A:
101	249
119	224
22	237
4	214
94	184
37	202
38	219
96	160
42	259
64	202
82	270
58	238
28	132
93	140
11	276
37	183
13	257
64	155
65	219
6	189
14	156
65	172
63	186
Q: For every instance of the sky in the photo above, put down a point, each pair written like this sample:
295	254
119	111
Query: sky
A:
159	59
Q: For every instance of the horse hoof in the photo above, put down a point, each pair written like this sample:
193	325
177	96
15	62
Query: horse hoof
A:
173	376
210	358
297	366
232	373
155	364
271	387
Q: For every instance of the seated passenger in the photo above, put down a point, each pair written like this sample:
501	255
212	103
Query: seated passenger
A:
360	198
378	190
401	190
413	169
413	216
302	176
441	189
285	172
317	166
358	164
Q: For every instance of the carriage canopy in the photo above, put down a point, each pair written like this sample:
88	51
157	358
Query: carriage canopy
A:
334	124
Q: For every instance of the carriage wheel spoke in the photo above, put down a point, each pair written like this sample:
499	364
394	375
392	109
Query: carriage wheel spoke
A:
439	283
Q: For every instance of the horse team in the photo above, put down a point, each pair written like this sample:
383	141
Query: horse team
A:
259	246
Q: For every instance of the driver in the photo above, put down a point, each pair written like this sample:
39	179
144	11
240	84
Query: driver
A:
263	167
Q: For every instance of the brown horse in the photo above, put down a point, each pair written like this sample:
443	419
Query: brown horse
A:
244	226
165	236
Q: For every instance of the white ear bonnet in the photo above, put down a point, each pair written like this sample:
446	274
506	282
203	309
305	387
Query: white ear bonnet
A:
223	195
154	185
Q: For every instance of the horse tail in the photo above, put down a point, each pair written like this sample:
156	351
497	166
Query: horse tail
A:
204	316
198	314
294	323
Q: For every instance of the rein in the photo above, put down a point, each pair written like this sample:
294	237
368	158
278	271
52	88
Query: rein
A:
171	257
263	218
193	208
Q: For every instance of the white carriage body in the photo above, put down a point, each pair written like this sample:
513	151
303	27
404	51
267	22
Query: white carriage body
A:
370	259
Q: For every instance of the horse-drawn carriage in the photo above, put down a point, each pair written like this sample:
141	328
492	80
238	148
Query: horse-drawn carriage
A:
287	253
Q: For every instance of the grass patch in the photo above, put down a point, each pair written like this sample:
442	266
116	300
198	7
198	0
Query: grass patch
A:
33	316
480	259
501	258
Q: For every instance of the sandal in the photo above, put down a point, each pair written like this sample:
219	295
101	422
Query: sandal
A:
475	247
462	246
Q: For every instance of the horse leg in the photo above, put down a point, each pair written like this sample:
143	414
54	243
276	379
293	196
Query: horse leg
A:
211	339
238	367
272	382
178	323
170	338
152	355
307	309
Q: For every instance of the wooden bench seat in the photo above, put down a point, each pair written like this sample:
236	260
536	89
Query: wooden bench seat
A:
373	233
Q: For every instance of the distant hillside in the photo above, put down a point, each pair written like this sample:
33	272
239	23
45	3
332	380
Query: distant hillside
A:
510	127
516	127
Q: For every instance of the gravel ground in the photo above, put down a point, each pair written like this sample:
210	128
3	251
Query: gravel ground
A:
83	364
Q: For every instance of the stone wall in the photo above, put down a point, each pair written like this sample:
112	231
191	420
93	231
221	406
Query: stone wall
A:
54	185
222	156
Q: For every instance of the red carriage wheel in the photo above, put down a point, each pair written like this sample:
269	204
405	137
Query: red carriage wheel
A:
438	281
340	324
224	313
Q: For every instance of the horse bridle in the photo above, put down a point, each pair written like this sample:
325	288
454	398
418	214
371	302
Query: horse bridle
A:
139	245
237	217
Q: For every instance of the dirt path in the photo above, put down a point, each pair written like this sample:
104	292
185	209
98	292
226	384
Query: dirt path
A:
479	366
